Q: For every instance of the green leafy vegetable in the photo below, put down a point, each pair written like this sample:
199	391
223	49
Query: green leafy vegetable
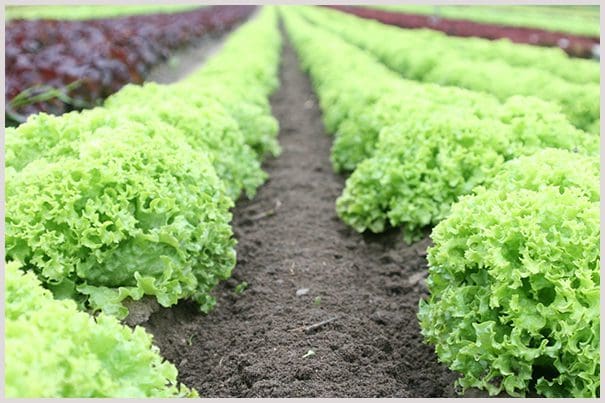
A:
551	167
420	167
133	198
206	124
122	214
243	84
53	350
581	20
496	68
514	280
416	147
208	129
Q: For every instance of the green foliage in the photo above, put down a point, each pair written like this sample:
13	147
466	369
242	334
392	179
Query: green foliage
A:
208	129
552	60
133	198
53	350
405	100
580	102
477	65
356	109
241	287
258	126
535	123
417	147
245	93
123	201
595	127
419	169
514	282
550	167
422	166
86	12
206	125
121	214
581	20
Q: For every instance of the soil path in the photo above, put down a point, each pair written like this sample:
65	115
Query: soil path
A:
191	58
188	60
303	266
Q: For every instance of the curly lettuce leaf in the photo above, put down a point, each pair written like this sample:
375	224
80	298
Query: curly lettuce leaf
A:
122	215
55	350
514	280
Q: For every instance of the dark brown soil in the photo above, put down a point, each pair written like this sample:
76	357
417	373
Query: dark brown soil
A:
253	343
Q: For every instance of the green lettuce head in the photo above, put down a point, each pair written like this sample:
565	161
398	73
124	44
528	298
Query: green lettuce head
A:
514	282
122	214
55	350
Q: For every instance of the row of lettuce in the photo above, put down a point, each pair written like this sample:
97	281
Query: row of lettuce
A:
89	12
499	68
512	185
128	200
573	45
579	20
58	66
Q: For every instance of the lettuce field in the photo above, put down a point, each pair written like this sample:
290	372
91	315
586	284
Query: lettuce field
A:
302	201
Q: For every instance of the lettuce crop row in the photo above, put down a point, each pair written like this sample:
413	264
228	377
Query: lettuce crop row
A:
573	44
54	350
549	60
432	57
129	200
582	21
514	277
133	198
91	12
121	213
514	190
86	61
409	142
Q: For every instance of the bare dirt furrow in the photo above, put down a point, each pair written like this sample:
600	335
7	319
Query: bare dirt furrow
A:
326	312
186	61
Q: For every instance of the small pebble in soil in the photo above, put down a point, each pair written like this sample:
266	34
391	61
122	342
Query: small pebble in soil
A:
302	291
309	353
